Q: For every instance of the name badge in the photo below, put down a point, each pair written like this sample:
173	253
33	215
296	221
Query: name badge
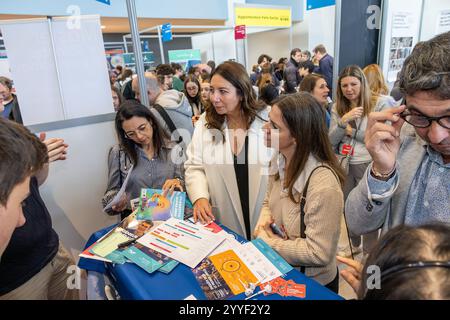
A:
347	149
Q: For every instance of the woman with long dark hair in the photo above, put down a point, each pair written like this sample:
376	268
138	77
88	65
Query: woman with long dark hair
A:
144	145
193	94
304	194
227	153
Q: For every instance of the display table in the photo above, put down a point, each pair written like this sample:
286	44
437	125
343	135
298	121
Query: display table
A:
133	283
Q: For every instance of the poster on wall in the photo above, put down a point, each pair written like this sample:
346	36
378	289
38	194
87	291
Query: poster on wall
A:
402	42
4	65
186	58
114	57
443	22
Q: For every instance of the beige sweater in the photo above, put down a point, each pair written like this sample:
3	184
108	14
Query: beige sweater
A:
323	210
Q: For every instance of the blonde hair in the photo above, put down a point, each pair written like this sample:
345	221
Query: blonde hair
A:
376	80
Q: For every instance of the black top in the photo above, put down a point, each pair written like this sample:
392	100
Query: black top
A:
241	171
15	114
32	246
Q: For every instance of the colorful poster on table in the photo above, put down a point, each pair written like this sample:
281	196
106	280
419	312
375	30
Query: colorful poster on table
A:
233	270
211	282
182	241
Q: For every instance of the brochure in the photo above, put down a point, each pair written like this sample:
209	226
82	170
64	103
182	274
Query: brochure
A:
156	206
211	281
234	271
169	266
120	195
146	258
182	241
128	229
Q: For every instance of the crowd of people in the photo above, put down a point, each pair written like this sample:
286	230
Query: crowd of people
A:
334	169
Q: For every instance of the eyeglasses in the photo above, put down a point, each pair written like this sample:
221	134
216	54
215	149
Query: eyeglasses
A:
414	265
419	120
191	88
141	129
422	121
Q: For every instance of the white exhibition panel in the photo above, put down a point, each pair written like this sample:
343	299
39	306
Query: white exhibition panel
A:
400	33
4	68
82	66
433	16
322	27
224	45
59	69
75	186
221	48
30	56
203	42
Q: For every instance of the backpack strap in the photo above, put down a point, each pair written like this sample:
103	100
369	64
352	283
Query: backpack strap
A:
163	113
302	207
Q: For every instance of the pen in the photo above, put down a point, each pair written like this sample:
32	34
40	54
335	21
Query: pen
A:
126	243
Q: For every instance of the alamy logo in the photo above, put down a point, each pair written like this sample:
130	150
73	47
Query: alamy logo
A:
373	278
74	21
74	280
374	20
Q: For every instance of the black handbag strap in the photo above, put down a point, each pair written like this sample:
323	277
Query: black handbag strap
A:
120	170
302	208
163	113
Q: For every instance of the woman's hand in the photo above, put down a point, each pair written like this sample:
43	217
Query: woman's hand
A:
264	230
353	114
203	211
170	185
122	204
349	131
352	275
195	119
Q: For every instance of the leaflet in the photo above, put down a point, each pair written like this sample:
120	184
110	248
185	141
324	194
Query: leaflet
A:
155	205
233	270
273	256
182	241
120	195
211	281
255	260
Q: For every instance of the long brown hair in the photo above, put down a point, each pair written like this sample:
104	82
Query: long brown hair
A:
366	99
235	74
376	80
193	100
305	118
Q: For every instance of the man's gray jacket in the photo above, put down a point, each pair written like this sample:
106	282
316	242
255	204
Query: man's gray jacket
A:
366	213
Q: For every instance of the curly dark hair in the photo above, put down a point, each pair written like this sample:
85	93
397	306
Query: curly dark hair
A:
428	68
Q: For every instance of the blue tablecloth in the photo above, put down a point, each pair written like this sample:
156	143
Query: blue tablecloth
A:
133	283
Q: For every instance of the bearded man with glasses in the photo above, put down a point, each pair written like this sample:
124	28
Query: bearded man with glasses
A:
408	181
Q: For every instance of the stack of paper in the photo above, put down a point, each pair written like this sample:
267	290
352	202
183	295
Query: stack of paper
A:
107	248
234	267
182	241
